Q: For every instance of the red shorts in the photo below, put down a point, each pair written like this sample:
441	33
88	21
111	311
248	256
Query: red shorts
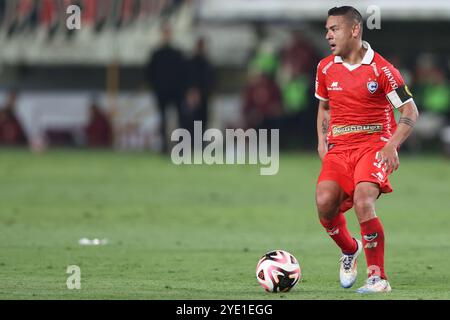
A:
348	167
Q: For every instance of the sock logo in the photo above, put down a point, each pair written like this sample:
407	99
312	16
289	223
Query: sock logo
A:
370	237
333	232
371	245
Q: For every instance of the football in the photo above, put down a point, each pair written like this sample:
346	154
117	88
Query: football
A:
278	271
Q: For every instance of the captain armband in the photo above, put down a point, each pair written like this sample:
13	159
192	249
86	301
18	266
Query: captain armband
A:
399	96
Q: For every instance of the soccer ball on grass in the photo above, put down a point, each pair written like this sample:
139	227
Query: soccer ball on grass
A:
278	271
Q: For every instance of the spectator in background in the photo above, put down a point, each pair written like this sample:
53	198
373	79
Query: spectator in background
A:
49	16
436	95
262	106
296	106
21	16
299	56
99	130
291	70
262	99
200	82
433	92
295	77
11	132
166	71
102	13
265	59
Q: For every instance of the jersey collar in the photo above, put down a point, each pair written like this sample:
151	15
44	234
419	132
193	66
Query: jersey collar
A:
368	57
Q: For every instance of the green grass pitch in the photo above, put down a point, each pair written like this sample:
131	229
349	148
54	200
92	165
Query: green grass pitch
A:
197	232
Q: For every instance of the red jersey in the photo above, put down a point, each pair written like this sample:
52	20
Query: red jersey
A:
360	111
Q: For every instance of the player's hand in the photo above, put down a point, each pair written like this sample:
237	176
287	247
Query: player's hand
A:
322	149
389	156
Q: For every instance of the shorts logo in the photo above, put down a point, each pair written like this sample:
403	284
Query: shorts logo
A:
378	176
365	128
372	86
370	237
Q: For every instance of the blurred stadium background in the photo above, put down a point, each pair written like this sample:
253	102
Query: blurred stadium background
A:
76	97
253	46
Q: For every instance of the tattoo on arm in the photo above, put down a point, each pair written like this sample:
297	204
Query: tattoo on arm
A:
407	121
324	126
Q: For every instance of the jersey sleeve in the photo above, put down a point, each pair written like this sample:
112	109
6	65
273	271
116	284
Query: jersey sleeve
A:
394	87
321	87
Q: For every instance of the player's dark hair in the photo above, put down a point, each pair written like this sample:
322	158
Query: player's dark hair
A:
349	12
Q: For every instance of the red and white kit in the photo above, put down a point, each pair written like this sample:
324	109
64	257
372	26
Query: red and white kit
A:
361	100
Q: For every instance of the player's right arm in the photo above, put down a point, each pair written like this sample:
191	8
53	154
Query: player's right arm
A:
323	122
323	115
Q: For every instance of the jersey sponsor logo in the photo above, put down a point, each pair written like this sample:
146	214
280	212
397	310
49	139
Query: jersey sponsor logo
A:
356	128
390	77
370	237
372	86
335	86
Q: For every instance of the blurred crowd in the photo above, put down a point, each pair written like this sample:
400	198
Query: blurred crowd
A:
21	16
278	92
429	80
11	130
176	78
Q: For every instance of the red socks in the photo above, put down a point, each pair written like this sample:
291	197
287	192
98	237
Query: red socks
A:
337	229
372	233
373	241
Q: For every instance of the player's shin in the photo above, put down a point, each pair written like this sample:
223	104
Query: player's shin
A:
338	231
373	241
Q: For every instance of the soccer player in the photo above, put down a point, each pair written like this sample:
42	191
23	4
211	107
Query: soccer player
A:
358	139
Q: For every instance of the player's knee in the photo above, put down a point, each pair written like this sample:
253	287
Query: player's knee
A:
364	206
327	204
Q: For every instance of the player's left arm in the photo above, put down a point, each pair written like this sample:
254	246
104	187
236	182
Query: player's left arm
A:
400	98
388	155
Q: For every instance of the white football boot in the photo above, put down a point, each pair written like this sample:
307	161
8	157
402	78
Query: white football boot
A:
375	284
348	270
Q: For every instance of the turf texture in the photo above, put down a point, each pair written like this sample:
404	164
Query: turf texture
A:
197	232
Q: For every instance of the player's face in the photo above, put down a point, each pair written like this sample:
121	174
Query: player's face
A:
339	34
